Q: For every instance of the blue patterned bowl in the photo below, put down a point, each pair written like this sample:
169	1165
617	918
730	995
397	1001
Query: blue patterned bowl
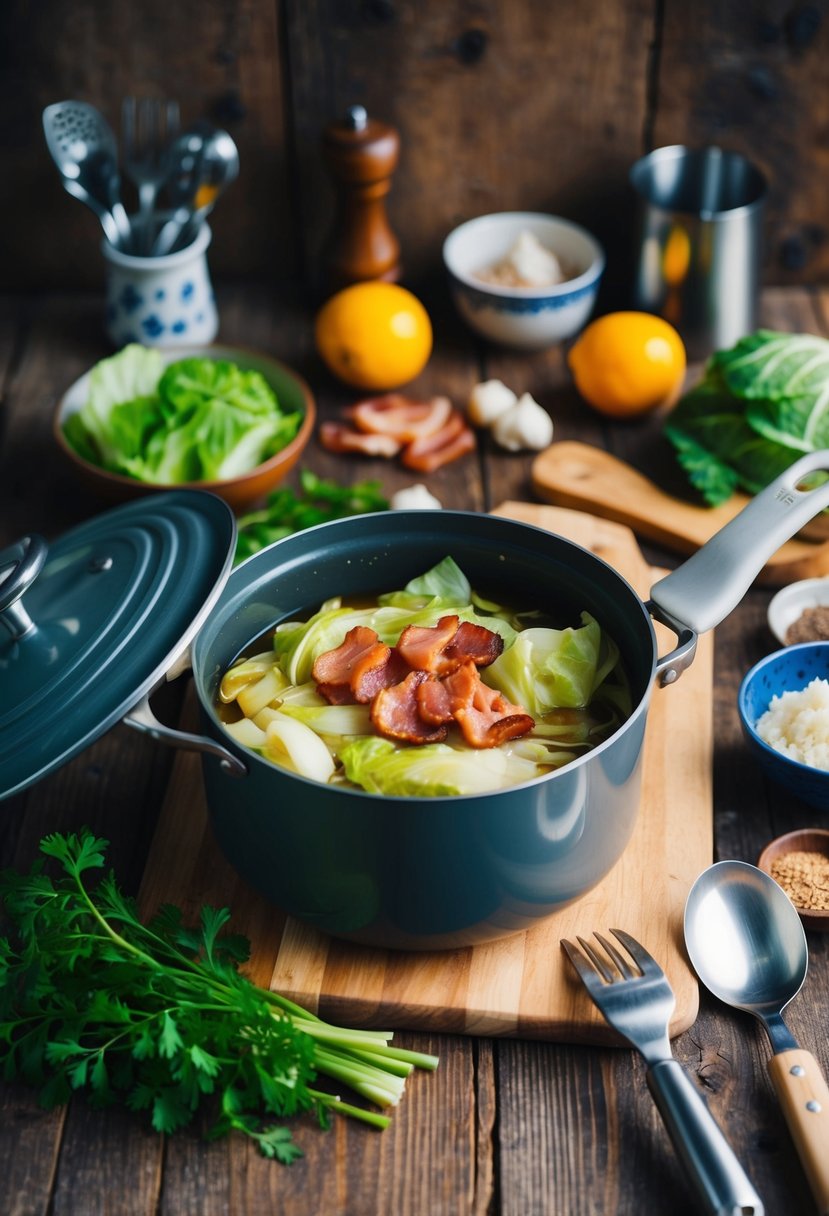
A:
527	318
788	670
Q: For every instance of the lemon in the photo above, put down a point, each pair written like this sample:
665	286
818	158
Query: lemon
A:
627	363
374	335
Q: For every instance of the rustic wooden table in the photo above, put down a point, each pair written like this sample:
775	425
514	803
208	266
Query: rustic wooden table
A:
504	1126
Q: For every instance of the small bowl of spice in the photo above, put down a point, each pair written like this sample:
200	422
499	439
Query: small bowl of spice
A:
800	612
523	278
783	705
799	863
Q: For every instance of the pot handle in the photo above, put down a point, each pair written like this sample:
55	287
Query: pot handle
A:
142	719
704	589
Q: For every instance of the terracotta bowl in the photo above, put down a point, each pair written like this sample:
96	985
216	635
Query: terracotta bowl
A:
241	492
807	840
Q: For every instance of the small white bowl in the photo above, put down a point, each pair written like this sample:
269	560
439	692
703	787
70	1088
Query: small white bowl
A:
529	318
789	602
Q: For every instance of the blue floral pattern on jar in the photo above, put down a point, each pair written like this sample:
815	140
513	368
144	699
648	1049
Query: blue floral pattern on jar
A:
161	301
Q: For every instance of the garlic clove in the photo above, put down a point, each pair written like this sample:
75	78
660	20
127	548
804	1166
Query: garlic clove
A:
488	401
523	425
416	498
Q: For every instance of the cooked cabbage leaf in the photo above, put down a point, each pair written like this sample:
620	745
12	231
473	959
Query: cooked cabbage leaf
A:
431	770
445	583
546	669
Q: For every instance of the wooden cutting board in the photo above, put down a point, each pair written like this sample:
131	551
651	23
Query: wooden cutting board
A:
522	985
586	478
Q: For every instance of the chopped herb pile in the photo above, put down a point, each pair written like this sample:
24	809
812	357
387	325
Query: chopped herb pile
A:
158	1016
317	502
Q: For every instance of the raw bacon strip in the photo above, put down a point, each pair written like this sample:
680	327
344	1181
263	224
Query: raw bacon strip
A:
474	642
401	417
360	653
394	713
431	452
337	437
422	646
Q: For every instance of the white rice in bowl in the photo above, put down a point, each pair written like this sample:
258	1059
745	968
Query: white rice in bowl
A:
797	724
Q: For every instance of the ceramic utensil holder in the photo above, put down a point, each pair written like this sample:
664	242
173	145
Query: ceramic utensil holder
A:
163	301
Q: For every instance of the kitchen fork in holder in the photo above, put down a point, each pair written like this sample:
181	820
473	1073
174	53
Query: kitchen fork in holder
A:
637	1001
148	126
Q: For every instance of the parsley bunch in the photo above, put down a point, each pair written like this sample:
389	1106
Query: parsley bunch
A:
318	501
158	1015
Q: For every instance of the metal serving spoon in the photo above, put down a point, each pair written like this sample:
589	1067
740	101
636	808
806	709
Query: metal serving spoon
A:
204	160
747	945
83	147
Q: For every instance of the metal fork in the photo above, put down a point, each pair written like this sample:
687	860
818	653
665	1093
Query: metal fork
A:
637	1001
148	125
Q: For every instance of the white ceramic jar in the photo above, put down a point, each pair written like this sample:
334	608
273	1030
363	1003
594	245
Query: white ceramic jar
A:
161	301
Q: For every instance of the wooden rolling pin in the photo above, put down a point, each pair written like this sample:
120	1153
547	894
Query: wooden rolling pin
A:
586	478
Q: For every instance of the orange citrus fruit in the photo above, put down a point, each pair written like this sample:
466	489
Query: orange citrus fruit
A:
374	335
627	363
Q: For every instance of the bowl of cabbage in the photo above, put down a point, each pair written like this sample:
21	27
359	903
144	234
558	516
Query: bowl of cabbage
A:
218	418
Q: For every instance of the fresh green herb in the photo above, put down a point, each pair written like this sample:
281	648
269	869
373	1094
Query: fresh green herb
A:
760	405
198	419
317	502
159	1017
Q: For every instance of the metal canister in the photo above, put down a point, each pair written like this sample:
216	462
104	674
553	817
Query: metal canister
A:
699	243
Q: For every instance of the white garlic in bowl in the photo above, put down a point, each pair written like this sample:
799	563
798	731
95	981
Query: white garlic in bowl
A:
524	425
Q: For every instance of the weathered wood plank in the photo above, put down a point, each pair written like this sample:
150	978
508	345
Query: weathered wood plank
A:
745	78
481	128
221	62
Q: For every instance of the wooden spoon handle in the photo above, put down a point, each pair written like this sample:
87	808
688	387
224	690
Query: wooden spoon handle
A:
587	478
804	1096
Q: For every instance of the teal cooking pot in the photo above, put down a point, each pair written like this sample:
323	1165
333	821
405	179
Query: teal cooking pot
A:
402	872
418	873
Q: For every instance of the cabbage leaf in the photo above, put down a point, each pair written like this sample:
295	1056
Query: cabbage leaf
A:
431	770
759	406
546	669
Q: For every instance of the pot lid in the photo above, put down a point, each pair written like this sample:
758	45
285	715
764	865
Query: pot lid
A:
92	622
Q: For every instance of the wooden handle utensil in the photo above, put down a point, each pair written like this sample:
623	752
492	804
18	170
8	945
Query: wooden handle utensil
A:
586	478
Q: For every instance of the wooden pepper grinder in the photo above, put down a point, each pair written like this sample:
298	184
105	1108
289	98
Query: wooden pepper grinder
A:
361	154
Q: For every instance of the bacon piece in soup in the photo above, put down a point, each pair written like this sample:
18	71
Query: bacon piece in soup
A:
359	653
484	715
475	642
395	713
